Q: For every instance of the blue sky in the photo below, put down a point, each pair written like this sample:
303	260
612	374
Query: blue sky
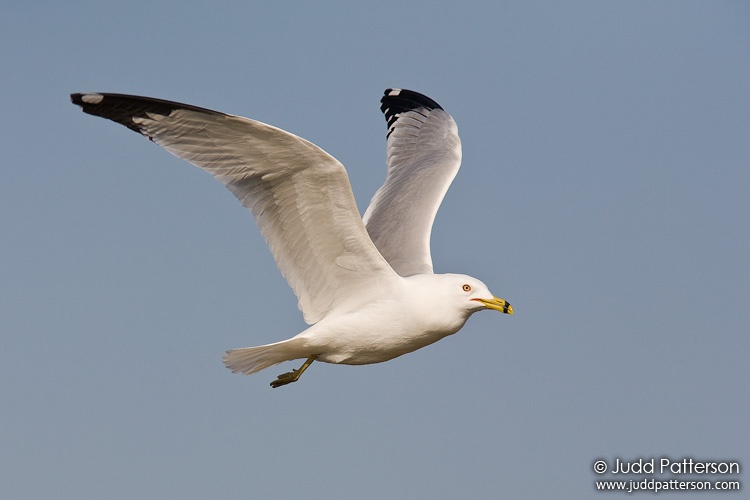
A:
604	193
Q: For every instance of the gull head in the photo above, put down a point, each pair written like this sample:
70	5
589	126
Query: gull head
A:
458	293
475	295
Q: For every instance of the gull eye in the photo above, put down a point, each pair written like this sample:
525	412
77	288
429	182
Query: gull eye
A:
466	288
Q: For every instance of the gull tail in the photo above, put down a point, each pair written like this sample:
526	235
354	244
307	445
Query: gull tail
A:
249	360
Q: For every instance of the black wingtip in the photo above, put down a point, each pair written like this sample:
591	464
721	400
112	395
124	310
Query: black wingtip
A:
123	108
116	107
397	101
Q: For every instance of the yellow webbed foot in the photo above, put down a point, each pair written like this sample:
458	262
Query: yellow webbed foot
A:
292	376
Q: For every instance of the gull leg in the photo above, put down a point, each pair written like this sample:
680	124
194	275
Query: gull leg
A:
292	376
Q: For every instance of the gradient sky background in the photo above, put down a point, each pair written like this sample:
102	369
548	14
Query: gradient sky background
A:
605	192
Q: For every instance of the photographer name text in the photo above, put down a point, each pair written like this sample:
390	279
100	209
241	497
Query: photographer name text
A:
667	465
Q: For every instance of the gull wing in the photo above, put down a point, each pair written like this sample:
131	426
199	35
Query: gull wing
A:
299	195
423	156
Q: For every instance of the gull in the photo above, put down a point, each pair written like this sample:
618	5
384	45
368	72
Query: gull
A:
365	285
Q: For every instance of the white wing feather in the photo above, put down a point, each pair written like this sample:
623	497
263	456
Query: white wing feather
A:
423	157
299	195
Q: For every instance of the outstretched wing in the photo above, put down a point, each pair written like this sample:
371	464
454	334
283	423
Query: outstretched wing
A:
423	157
299	195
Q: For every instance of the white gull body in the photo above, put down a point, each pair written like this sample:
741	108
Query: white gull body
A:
366	285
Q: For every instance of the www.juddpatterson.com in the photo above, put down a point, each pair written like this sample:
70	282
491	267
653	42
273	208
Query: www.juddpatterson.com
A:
686	466
655	485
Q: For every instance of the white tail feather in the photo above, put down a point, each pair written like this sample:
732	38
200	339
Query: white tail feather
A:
249	360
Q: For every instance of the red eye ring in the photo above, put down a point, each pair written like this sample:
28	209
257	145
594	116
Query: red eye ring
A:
466	287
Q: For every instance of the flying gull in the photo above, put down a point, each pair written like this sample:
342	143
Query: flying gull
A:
365	285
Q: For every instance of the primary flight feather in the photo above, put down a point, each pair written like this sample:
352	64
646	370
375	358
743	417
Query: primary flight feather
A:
367	287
